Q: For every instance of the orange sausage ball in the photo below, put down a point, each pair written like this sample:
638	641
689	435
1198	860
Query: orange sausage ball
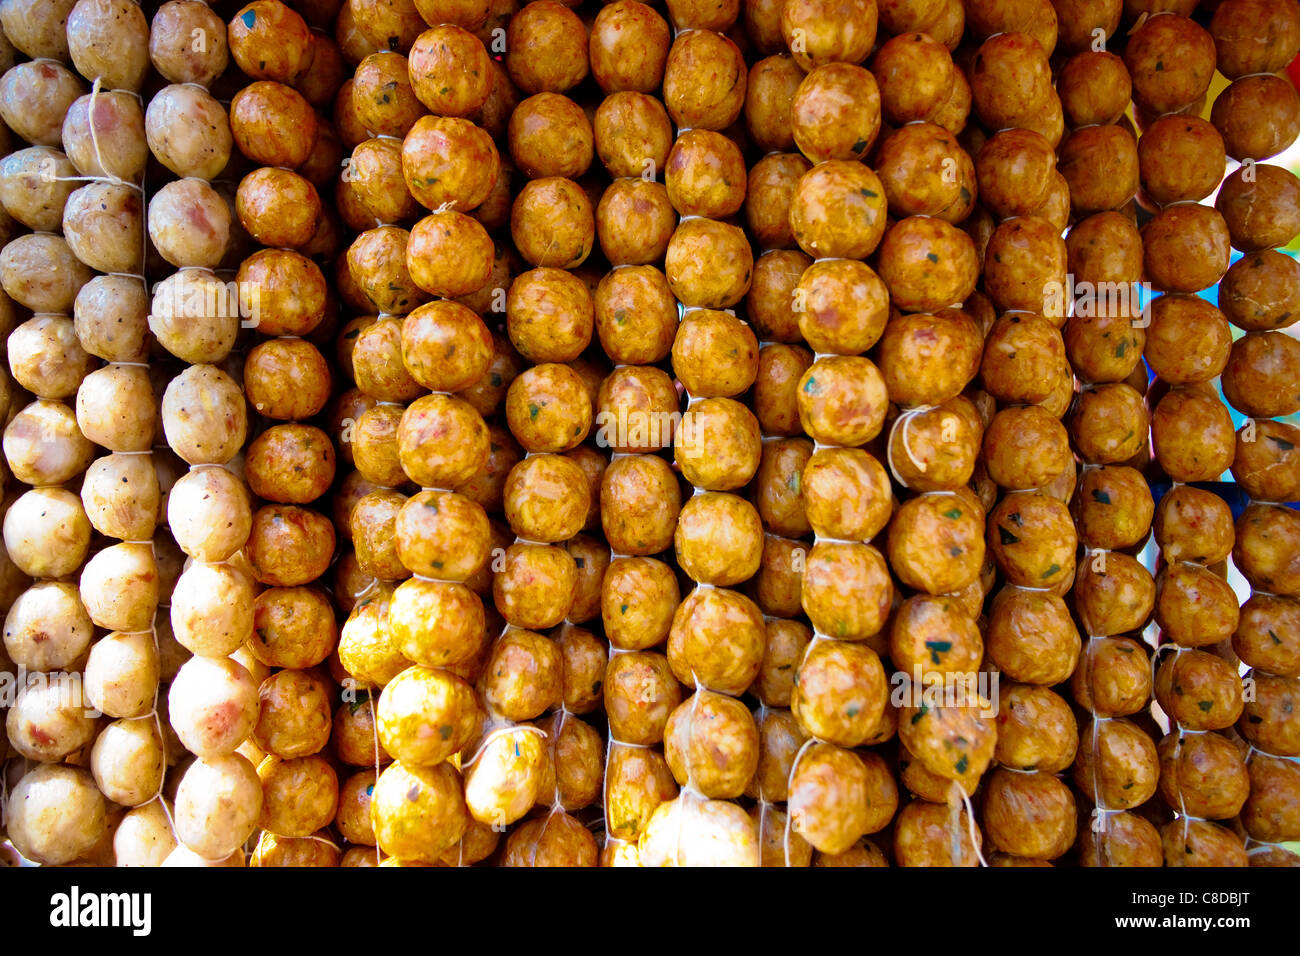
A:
1261	209
450	72
632	134
550	135
1171	61
639	501
552	223
546	48
705	175
1188	340
1095	87
1261	291
1258	116
628	46
1191	432
704	80
449	161
928	264
709	264
836	112
270	41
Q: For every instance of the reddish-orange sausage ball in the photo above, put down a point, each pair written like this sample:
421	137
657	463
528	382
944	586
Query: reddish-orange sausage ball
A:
705	175
1010	80
552	223
836	112
287	379
1261	291
632	134
1191	432
1267	463
1188	340
1260	206
926	172
1100	164
1259	378
828	31
289	545
916	76
709	264
292	464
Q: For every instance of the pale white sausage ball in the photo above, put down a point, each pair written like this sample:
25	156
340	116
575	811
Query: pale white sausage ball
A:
116	408
46	357
213	705
109	40
188	131
46	532
116	145
47	628
189	223
122	675
35	97
128	761
41	272
111	318
51	718
34	185
212	609
56	813
119	587
120	494
37	27
204	415
218	803
195	316
44	446
187	42
144	836
209	513
104	225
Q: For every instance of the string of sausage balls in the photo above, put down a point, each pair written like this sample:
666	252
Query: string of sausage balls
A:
287	380
837	795
1099	601
716	640
1193	606
428	712
936	542
548	495
840	308
417	625
780	361
782	358
636	320
1266	469
1256	294
210	508
1113	593
1202	776
47	529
